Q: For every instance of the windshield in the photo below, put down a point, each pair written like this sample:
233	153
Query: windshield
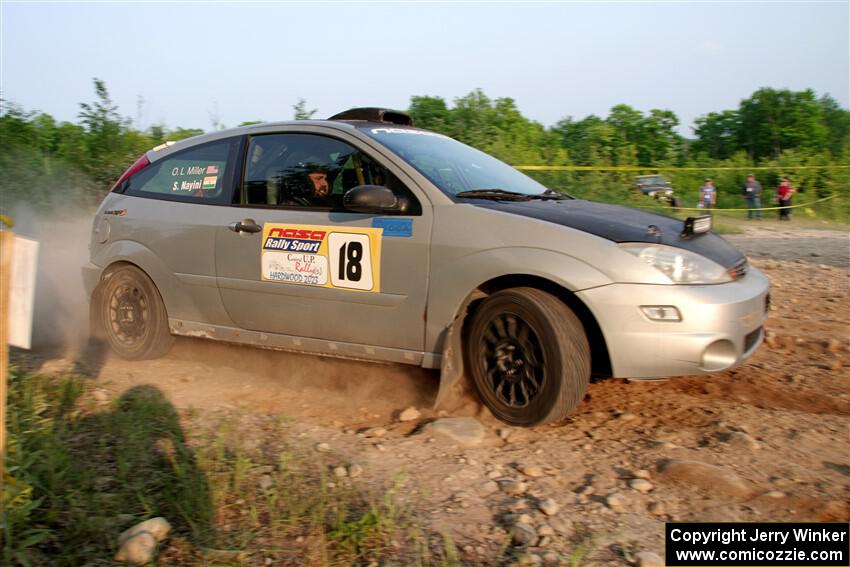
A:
452	166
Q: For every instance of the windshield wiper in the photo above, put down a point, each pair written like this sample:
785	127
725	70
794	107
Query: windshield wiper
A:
495	194
550	195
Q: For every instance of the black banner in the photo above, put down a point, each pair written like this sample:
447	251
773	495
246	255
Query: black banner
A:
742	544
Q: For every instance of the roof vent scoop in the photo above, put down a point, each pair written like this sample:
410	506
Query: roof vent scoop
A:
375	115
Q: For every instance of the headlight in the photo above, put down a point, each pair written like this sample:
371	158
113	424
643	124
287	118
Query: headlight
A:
681	266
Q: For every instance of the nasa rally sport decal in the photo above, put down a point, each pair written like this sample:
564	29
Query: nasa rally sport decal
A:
324	256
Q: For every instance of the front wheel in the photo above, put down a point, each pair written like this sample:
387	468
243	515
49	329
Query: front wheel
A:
130	315
528	356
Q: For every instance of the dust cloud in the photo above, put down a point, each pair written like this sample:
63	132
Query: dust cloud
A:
271	380
61	315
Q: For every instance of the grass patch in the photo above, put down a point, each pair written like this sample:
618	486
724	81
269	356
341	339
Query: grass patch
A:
79	473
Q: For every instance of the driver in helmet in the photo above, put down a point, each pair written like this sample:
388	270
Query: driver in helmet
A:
308	185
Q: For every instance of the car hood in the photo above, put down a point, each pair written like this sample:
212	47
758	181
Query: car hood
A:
619	224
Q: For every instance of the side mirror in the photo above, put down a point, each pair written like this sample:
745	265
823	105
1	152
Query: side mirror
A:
370	199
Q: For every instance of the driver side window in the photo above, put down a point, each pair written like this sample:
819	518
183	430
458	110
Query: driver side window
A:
313	172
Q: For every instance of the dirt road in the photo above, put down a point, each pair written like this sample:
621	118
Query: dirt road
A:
765	442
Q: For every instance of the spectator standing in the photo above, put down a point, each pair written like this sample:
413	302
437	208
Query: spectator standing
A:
707	194
783	196
752	194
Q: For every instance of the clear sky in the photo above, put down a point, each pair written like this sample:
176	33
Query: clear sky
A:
251	61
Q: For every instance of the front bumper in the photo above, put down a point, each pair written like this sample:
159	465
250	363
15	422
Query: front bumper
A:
721	326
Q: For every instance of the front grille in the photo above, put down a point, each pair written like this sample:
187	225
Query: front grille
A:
739	270
751	339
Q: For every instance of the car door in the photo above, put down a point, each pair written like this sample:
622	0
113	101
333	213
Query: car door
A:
164	219
303	266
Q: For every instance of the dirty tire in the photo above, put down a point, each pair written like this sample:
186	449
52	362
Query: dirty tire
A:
130	316
528	356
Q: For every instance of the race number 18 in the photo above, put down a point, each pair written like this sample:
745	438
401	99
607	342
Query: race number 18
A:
350	260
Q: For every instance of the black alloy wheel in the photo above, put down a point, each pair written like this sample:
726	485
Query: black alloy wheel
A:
528	356
512	360
130	314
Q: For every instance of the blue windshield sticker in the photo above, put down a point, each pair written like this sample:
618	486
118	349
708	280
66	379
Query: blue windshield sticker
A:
394	227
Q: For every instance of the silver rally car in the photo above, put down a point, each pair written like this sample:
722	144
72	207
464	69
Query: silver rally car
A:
364	237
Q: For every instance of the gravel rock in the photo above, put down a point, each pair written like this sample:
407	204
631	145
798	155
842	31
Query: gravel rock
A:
466	431
138	549
409	414
354	471
657	508
323	447
641	485
100	396
549	507
643	473
741	440
488	488
551	558
615	502
545	530
771	339
709	478
533	471
375	432
561	525
157	527
648	559
266	482
513	487
340	472
523	534
777	494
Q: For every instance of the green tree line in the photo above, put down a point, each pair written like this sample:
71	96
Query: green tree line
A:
773	128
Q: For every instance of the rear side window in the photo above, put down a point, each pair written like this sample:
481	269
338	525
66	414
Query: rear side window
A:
202	173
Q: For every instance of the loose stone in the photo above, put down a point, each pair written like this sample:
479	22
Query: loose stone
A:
523	534
138	550
533	471
549	507
409	414
641	485
513	486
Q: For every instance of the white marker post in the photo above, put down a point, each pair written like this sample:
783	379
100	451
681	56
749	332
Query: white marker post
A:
18	261
7	242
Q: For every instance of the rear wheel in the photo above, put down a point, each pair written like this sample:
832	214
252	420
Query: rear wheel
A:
528	356
130	314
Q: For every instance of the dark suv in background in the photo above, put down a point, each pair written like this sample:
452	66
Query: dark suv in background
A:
657	187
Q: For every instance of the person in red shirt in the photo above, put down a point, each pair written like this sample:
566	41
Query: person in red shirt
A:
783	195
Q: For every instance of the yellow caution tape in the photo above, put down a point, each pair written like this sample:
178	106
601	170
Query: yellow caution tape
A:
759	209
638	168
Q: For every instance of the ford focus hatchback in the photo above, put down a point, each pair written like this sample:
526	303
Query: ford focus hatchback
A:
364	237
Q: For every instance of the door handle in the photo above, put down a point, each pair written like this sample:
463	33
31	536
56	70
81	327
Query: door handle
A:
245	225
